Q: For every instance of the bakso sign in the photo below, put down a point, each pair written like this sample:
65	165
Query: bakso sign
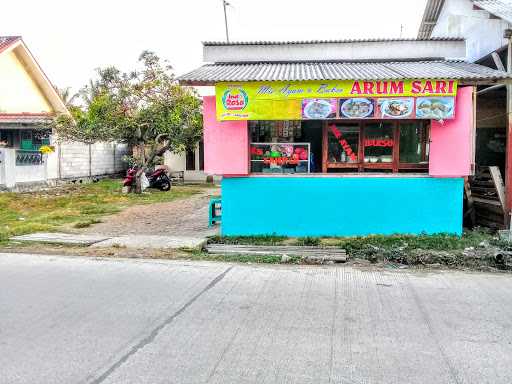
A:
303	100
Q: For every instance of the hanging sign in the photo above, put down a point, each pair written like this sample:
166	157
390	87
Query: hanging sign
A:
328	99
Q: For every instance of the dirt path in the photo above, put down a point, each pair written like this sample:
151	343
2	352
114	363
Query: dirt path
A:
182	217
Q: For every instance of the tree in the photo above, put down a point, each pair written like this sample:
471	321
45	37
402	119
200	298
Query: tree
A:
145	108
67	97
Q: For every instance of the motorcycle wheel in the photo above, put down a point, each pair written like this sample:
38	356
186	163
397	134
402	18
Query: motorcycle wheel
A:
165	185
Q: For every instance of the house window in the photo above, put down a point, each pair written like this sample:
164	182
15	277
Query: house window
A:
7	137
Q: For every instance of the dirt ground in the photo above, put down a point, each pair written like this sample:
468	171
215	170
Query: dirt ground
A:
182	217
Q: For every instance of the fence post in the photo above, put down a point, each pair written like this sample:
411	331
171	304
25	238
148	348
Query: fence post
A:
90	161
9	167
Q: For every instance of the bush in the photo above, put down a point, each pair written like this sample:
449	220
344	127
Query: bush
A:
308	241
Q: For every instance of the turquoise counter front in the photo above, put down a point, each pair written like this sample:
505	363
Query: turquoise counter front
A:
341	206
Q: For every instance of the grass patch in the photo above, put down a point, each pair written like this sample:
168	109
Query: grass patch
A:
74	206
87	223
248	240
474	248
441	242
309	241
233	258
432	242
99	210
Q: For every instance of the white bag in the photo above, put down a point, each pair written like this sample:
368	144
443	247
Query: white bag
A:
144	182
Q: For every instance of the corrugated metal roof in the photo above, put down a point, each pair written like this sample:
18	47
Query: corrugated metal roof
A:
369	40
430	16
498	8
301	71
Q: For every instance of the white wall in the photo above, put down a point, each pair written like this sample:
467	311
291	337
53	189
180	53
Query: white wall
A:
106	159
78	160
335	51
175	161
30	173
18	91
2	166
11	174
178	162
483	35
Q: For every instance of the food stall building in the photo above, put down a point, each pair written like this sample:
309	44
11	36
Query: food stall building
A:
340	138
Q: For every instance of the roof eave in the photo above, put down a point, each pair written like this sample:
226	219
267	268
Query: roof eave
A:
334	41
430	17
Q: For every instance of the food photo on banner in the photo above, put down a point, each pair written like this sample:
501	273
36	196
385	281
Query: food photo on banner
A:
319	108
356	108
395	108
436	108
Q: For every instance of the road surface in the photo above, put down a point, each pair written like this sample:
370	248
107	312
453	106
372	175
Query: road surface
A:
84	320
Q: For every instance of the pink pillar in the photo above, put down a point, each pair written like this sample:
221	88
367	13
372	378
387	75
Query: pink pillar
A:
226	143
452	141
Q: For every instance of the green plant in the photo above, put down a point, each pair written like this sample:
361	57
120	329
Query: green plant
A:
257	240
87	223
145	108
309	241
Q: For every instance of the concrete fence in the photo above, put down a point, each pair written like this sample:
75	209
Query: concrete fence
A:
70	161
75	160
14	170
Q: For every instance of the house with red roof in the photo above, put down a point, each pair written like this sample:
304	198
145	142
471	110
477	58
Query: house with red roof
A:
27	101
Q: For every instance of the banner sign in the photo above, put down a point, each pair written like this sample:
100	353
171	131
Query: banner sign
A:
348	99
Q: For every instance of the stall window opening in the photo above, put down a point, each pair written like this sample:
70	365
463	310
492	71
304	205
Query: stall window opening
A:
285	147
375	146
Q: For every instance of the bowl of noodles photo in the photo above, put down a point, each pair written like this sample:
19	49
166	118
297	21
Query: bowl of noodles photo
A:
396	108
356	108
437	108
319	108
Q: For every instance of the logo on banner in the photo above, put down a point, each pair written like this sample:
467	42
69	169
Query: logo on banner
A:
235	99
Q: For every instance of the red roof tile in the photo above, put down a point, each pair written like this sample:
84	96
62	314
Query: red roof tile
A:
6	41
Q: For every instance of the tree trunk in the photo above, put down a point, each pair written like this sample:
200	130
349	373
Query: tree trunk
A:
138	182
138	175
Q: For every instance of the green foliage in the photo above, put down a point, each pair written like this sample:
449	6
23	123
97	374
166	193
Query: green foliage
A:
440	241
308	241
248	240
144	107
233	258
86	223
469	250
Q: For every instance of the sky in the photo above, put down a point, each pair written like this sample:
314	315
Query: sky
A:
70	39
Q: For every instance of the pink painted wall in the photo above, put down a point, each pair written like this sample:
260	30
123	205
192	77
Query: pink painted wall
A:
452	141
226	143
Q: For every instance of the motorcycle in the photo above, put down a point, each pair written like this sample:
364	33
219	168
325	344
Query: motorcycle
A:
156	179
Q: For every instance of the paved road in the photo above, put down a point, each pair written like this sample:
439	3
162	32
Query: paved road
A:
79	320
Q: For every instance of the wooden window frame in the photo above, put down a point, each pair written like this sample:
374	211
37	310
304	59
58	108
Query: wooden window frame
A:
395	165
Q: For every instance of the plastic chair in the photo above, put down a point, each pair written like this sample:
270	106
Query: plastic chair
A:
213	217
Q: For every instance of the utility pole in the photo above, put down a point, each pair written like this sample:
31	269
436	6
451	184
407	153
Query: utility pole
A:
225	4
